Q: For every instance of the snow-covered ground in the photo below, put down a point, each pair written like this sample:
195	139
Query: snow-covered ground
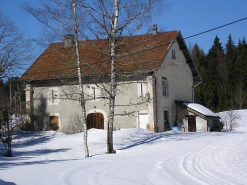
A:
142	157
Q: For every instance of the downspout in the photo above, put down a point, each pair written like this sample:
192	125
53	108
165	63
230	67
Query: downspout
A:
156	105
156	128
193	93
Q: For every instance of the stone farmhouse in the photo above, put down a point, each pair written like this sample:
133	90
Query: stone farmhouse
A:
155	74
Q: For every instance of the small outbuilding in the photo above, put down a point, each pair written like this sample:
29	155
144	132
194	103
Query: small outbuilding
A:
199	118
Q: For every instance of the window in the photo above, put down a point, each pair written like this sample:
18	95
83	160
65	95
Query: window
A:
142	89
94	92
53	96
174	54
165	86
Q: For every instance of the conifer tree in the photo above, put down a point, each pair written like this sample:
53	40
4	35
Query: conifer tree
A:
212	79
230	58
199	59
240	90
224	75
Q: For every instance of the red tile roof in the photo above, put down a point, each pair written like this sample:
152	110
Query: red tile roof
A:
138	53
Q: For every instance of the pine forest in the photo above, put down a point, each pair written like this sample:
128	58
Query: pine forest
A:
224	74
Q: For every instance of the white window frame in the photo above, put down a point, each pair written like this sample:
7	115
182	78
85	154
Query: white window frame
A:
94	92
142	89
53	96
165	87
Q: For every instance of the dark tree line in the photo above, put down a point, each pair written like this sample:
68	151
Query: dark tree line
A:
12	105
12	95
224	74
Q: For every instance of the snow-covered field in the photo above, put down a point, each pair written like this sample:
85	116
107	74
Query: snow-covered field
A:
142	157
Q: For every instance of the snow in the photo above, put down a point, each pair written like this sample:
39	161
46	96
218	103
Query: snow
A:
142	157
200	108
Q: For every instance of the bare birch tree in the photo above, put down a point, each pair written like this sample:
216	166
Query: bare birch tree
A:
83	102
104	19
115	19
67	19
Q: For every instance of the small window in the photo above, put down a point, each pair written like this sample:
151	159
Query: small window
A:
94	92
53	96
142	89
174	54
165	89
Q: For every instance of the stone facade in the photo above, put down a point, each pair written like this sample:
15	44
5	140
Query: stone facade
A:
145	100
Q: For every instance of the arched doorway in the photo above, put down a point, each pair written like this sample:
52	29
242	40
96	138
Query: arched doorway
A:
95	120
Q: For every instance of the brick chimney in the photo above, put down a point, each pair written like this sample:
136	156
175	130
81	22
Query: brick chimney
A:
155	32
68	40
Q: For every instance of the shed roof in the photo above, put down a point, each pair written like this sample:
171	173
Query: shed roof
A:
200	109
139	53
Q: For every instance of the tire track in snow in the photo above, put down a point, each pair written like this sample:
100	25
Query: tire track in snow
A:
159	176
204	164
199	166
83	174
95	173
168	169
185	167
164	169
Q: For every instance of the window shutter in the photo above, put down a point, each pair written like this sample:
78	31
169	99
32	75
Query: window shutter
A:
97	92
139	89
144	90
49	94
55	96
167	89
91	92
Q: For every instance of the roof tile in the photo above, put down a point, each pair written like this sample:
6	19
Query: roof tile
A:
134	53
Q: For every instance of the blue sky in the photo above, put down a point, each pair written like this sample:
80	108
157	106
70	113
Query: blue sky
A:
188	16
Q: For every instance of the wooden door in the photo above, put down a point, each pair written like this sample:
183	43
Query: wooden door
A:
192	124
95	120
166	121
54	123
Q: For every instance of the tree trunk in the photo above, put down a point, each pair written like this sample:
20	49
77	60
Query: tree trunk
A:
114	22
83	102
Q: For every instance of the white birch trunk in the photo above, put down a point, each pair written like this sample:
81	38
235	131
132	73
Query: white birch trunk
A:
112	38
83	102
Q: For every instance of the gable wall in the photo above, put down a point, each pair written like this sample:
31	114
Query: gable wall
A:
180	82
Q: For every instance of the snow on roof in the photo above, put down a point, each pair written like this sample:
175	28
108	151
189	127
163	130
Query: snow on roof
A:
201	109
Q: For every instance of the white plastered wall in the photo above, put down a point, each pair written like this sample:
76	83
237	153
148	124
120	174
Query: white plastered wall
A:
180	81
